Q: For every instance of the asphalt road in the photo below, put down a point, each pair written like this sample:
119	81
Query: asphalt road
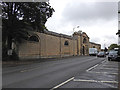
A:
48	74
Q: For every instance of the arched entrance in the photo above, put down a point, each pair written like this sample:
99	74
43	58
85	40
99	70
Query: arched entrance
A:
83	50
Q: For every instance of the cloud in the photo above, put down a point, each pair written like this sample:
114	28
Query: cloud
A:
89	12
95	39
98	19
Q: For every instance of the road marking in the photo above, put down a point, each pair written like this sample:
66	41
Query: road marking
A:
109	68
92	67
103	72
112	86
62	83
82	80
103	61
116	66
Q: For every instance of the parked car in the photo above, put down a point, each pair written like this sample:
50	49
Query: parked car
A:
114	55
101	54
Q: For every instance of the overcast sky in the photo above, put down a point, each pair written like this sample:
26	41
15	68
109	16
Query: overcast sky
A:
98	19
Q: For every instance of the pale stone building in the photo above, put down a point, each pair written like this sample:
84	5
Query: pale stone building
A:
95	45
82	42
50	44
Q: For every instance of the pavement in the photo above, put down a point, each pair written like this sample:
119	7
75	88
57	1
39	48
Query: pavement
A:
14	63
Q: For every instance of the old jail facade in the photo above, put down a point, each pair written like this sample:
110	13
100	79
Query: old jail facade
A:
50	44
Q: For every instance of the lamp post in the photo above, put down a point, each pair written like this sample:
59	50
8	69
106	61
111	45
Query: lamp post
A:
74	40
75	28
105	47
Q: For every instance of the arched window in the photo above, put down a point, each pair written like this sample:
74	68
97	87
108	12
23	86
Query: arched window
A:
66	43
93	46
99	48
34	39
84	40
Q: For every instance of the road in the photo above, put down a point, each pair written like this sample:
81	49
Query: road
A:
64	73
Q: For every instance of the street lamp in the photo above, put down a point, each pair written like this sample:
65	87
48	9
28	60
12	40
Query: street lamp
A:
75	28
73	40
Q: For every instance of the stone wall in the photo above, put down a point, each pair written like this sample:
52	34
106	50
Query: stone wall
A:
48	46
51	44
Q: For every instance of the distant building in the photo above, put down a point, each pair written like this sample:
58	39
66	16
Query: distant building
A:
95	45
83	43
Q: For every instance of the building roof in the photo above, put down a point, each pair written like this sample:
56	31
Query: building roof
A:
95	43
58	34
85	34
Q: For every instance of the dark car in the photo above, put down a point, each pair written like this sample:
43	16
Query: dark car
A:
101	54
113	55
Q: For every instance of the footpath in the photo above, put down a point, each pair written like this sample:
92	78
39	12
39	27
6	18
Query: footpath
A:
14	63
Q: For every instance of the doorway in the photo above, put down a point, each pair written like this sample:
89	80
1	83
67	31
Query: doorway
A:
83	50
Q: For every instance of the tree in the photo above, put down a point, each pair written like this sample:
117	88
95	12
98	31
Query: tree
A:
18	17
112	46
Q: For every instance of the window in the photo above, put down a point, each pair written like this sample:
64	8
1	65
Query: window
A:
34	38
99	48
84	40
66	43
93	46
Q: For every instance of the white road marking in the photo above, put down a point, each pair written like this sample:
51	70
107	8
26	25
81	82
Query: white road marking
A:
82	80
92	67
62	83
109	68
102	72
116	66
112	86
103	61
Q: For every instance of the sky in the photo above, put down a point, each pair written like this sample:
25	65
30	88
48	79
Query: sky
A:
98	19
